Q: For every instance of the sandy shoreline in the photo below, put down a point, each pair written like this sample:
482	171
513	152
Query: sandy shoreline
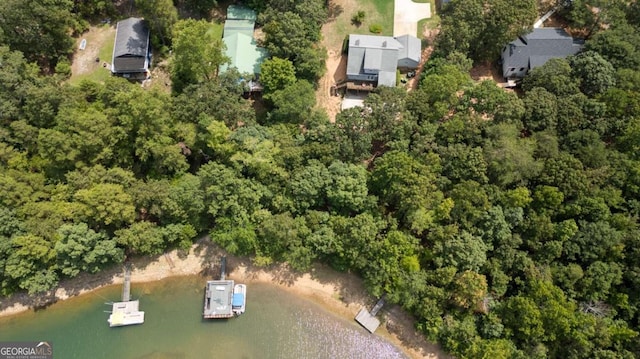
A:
340	293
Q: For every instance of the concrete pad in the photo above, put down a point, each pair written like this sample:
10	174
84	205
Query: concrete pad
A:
406	15
352	100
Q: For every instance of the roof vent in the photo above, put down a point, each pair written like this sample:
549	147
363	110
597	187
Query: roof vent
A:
384	43
358	42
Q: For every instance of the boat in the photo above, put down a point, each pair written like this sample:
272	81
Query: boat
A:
239	299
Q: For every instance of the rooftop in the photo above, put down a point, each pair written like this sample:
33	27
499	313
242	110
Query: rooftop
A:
411	47
232	27
125	313
374	42
547	33
244	53
132	38
376	58
240	13
218	299
537	47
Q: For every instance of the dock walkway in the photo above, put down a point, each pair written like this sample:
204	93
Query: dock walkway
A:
126	286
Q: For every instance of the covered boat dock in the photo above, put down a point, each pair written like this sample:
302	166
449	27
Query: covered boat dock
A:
218	299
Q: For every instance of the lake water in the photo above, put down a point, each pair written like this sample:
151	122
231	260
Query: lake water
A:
276	325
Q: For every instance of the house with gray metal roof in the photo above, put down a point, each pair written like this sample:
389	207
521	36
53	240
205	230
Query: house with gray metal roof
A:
535	49
375	59
131	51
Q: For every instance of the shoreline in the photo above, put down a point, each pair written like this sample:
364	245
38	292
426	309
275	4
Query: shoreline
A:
340	293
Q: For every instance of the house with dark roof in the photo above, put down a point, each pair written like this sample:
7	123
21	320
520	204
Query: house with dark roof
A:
241	48
375	59
131	50
535	49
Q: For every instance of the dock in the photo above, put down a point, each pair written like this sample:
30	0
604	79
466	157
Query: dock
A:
126	312
368	318
218	299
218	295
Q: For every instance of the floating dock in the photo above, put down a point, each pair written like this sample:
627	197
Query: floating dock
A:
222	298
126	312
218	299
368	319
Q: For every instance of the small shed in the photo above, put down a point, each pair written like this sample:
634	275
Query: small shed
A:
131	51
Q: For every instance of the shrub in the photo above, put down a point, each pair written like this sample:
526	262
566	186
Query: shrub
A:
63	67
375	28
358	18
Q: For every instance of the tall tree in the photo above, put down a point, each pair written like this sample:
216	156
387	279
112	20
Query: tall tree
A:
162	16
276	74
40	29
595	73
80	249
293	103
197	53
480	28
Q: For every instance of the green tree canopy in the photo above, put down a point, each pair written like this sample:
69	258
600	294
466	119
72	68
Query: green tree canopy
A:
40	29
197	53
276	74
79	248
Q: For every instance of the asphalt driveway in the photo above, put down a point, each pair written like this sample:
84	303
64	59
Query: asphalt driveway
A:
406	16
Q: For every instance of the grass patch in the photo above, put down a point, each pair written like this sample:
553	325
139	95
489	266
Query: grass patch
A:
99	75
383	6
105	53
376	12
215	30
431	23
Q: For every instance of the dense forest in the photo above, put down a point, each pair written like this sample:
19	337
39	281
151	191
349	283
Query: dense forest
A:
506	222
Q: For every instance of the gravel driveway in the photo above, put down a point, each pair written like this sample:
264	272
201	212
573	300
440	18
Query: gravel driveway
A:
406	16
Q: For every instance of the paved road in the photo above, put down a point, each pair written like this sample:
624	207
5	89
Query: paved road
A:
406	16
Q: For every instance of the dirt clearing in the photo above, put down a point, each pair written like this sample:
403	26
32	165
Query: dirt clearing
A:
99	46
